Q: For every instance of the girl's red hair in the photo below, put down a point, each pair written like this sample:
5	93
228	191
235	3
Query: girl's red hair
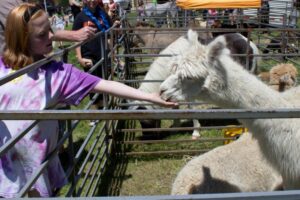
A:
16	53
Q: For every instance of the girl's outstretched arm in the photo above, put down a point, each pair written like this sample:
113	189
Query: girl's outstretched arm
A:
121	90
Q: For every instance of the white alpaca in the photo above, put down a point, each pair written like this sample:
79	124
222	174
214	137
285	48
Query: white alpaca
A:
213	76
235	167
160	69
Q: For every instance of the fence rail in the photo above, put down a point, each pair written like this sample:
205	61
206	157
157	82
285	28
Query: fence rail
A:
151	114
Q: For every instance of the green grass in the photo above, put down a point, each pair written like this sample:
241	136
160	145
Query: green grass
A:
154	174
151	177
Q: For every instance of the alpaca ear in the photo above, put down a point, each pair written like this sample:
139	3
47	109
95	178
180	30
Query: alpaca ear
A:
196	46
192	36
215	51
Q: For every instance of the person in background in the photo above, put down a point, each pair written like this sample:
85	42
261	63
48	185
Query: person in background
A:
61	35
75	7
227	15
105	5
112	6
92	15
141	10
264	13
57	24
212	16
53	83
112	10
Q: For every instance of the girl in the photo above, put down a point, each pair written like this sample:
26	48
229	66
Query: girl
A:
28	38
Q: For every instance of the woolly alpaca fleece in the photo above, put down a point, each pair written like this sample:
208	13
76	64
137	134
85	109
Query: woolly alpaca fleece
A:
235	167
213	76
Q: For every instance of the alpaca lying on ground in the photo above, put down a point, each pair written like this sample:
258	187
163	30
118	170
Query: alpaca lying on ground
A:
213	76
280	77
160	68
235	167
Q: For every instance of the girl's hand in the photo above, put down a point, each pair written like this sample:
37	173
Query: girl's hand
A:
155	98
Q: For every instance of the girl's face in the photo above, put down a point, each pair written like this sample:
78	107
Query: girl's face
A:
40	36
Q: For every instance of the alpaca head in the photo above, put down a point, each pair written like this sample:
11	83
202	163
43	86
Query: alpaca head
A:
284	73
192	71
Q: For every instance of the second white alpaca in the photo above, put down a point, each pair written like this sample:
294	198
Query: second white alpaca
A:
235	167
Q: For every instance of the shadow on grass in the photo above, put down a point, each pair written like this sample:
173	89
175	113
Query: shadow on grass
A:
65	155
115	172
114	176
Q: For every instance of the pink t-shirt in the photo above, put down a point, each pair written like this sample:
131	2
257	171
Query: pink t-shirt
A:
43	88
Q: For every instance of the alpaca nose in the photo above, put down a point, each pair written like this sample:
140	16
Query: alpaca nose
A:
284	79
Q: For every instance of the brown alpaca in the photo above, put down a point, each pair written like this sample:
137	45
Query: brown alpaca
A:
281	77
